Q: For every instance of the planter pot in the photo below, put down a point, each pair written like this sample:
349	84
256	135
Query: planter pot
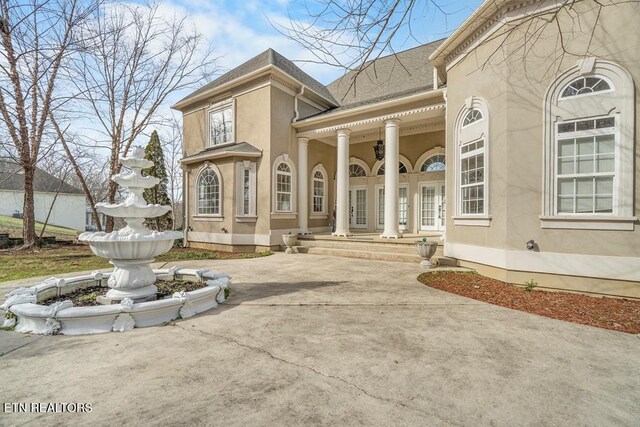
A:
289	241
426	250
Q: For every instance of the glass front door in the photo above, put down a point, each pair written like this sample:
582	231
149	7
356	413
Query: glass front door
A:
403	207
357	207
432	207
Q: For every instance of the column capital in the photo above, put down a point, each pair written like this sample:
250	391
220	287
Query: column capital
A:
303	140
392	122
341	132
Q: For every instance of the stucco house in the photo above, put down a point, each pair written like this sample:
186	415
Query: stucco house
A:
69	203
523	159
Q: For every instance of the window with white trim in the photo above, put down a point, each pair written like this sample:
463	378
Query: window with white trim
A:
246	189
472	177
356	170
284	188
221	124
434	164
472	116
209	193
589	147
319	192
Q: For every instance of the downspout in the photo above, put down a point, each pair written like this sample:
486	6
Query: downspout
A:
185	206
295	104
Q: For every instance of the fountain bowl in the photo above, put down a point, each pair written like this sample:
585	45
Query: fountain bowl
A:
130	247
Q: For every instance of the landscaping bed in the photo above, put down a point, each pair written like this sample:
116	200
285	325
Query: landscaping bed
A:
620	315
21	264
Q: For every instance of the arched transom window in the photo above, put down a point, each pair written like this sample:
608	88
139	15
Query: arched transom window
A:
284	188
434	164
584	86
356	170
472	117
401	168
208	193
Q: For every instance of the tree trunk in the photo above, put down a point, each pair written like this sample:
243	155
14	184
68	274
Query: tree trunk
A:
28	214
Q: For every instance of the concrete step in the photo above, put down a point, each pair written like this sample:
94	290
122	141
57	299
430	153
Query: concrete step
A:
364	254
358	246
445	261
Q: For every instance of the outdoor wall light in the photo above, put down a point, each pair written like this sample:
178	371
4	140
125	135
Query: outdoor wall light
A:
531	244
224	230
379	147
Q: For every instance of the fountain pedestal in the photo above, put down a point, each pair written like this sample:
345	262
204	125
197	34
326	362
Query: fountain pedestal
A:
132	249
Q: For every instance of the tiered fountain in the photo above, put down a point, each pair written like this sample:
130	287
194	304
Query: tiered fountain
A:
131	301
133	248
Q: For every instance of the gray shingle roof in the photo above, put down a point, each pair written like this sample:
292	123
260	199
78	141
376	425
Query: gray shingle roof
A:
268	57
12	178
240	148
386	78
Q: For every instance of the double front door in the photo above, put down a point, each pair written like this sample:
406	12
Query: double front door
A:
403	206
432	207
358	207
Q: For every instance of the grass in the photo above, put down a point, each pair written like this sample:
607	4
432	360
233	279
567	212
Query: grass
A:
13	226
16	265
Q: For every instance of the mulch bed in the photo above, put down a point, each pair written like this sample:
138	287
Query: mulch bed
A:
620	315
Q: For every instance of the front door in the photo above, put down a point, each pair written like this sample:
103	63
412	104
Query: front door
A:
357	207
403	206
432	207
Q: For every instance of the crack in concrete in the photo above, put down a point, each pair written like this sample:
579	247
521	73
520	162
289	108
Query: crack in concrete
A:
328	304
317	372
22	346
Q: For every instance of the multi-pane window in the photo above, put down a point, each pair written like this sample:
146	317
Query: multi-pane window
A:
246	191
401	168
472	117
585	85
318	192
472	183
221	126
434	164
208	193
585	166
356	170
283	188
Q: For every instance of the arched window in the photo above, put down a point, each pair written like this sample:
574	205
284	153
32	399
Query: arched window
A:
284	188
589	114
472	162
434	164
209	190
319	185
401	168
472	116
356	170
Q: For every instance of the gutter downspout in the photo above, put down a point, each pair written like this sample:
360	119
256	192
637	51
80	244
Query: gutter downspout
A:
295	104
185	206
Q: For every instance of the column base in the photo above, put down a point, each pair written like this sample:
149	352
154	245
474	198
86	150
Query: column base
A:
304	233
341	234
391	235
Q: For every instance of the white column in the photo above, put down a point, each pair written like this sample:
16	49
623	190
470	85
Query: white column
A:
303	185
391	179
342	184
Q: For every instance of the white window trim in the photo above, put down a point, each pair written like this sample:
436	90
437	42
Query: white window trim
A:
462	136
402	159
568	98
620	80
241	167
325	200
438	150
292	214
360	162
219	107
208	217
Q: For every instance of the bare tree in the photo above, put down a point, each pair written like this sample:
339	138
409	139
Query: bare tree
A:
36	39
173	152
132	59
352	34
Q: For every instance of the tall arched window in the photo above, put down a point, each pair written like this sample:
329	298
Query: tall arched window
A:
284	185
434	164
471	163
589	114
319	186
209	192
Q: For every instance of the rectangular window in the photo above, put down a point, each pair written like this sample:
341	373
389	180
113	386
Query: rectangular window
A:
283	192
246	188
586	166
246	195
472	178
318	196
221	126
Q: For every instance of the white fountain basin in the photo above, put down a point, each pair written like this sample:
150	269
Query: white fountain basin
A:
65	319
130	247
135	211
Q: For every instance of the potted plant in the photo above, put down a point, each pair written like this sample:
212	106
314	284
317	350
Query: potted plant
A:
289	241
426	250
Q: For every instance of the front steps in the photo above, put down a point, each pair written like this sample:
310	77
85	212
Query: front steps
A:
401	250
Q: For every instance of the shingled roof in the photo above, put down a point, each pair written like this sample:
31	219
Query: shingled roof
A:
12	179
385	78
268	57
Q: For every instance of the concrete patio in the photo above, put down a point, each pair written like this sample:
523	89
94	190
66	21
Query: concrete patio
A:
317	340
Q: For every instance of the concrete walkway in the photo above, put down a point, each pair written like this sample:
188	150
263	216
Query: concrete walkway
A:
313	340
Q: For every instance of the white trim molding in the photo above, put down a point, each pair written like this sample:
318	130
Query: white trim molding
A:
568	264
435	151
478	221
589	223
358	161
218	107
210	217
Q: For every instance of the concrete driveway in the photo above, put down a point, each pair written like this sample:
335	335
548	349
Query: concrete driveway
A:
315	340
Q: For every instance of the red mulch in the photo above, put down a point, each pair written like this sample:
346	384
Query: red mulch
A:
620	315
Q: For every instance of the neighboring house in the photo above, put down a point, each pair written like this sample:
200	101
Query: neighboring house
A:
532	178
90	224
69	203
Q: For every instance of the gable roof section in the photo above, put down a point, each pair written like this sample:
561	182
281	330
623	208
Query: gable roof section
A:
386	78
241	149
12	179
267	58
